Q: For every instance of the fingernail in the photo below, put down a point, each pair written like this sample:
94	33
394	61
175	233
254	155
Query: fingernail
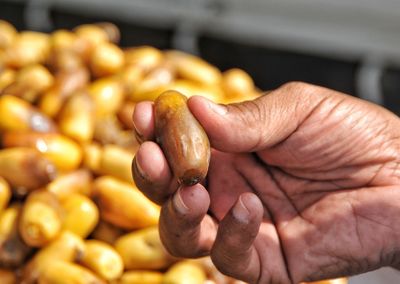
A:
240	211
139	137
178	202
217	108
139	168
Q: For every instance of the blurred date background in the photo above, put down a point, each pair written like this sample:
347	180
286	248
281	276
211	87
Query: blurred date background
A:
70	75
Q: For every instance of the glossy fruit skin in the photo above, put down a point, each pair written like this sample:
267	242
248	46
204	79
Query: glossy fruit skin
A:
182	138
184	272
41	218
142	249
103	259
123	205
68	247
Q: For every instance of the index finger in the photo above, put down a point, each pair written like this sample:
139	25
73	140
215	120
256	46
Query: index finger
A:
143	121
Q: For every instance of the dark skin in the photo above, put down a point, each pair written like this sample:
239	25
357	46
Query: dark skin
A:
303	185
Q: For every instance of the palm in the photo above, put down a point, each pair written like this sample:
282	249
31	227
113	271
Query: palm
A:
311	191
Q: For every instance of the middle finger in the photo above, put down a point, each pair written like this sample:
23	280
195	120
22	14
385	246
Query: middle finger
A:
152	174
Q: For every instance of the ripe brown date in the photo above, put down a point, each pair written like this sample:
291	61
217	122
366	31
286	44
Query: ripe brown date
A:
181	137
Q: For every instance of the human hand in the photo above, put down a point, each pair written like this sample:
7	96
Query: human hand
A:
303	184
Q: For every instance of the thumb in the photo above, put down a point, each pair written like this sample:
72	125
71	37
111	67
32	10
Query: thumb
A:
261	123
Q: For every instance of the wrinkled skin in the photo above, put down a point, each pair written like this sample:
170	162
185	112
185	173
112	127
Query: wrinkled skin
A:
304	184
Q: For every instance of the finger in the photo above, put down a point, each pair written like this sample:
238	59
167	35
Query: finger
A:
152	174
185	229
233	252
143	121
257	124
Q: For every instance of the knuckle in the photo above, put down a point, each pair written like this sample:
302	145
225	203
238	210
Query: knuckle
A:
248	111
173	238
296	85
174	250
300	94
250	117
181	251
222	264
170	244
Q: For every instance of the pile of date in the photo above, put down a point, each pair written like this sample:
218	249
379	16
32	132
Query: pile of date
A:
69	210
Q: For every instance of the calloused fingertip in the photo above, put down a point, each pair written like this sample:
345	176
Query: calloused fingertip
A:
143	121
193	101
240	211
193	200
178	203
242	223
248	208
156	189
136	173
152	164
198	104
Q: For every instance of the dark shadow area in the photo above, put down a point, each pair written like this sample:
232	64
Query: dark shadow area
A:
391	89
131	34
271	68
13	13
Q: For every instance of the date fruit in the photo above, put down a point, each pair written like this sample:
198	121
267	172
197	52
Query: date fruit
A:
182	138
